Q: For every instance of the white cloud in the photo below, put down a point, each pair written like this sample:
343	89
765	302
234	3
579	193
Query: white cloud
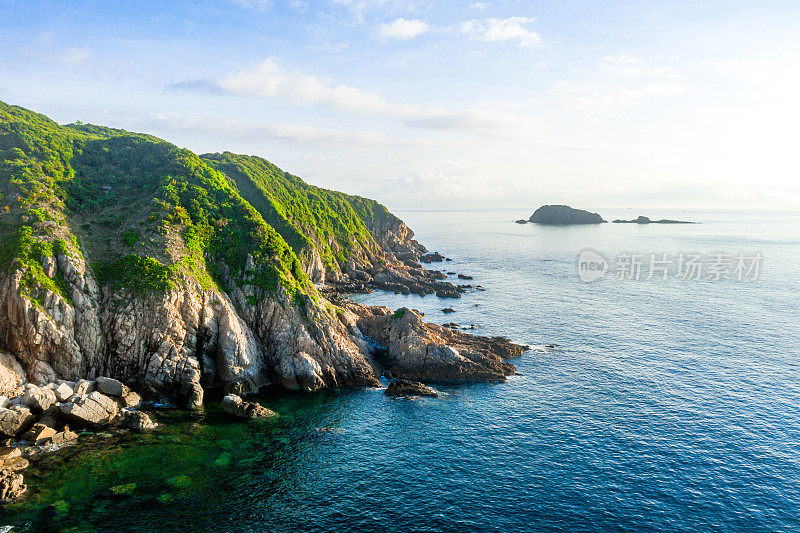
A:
479	5
574	95
261	5
403	29
236	131
360	7
268	80
502	30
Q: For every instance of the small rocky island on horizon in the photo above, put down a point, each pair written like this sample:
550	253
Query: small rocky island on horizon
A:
646	220
564	215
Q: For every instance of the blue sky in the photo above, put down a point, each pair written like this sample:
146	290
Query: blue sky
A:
419	103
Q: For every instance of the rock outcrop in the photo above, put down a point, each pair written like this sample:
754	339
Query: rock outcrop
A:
234	405
563	215
402	387
412	349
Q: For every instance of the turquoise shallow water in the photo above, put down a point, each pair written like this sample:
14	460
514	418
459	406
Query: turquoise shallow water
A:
669	405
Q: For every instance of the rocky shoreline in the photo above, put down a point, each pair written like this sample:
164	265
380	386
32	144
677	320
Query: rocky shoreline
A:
39	420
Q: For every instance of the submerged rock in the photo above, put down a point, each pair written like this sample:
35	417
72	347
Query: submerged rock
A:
234	405
137	421
564	215
402	387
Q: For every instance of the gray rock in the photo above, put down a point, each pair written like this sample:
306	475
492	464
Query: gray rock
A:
15	420
234	405
93	410
111	387
63	392
402	387
137	421
38	399
131	399
64	437
84	387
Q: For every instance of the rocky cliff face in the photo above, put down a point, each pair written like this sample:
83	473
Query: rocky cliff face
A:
124	256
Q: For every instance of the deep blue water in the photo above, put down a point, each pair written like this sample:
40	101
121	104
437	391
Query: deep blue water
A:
668	405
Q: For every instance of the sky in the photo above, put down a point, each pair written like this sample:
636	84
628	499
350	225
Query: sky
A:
434	104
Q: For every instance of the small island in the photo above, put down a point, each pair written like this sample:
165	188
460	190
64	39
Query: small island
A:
646	220
564	215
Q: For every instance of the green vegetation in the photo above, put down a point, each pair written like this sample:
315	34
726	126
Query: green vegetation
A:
307	217
130	237
101	193
29	251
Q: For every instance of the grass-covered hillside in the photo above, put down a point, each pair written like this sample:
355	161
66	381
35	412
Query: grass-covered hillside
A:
144	212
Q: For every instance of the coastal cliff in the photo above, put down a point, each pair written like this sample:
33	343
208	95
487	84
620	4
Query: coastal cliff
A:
126	256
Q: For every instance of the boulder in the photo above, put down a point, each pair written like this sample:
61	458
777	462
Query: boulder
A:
84	387
521	221
434	257
64	437
464	276
402	387
15	464
448	310
38	399
63	392
137	421
111	387
234	405
15	420
9	452
11	485
39	434
564	215
92	410
131	399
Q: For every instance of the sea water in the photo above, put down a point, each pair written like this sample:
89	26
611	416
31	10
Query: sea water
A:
660	404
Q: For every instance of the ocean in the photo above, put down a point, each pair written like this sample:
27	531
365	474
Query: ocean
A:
670	403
